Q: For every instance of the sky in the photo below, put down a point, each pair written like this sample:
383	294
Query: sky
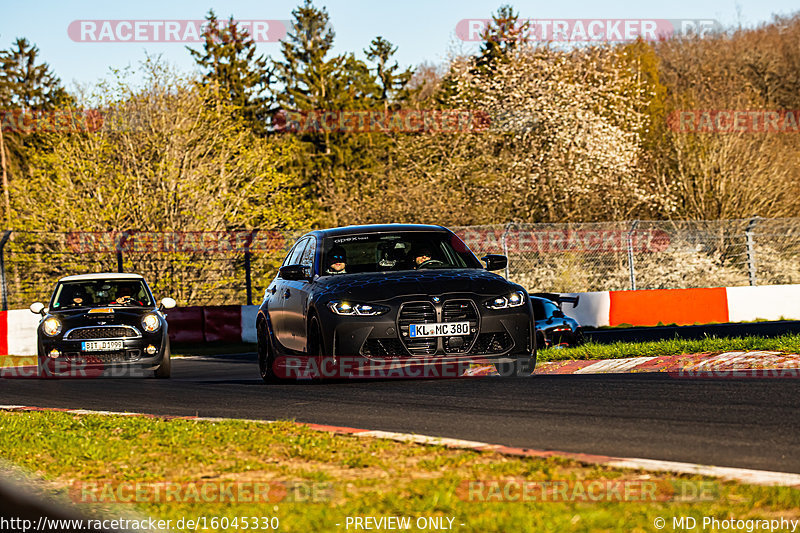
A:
423	30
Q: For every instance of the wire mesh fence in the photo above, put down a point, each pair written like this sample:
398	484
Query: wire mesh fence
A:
234	267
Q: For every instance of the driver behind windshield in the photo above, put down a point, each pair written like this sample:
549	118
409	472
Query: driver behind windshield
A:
421	256
125	295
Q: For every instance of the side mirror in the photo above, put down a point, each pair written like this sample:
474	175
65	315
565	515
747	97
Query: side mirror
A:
37	308
168	303
293	272
495	261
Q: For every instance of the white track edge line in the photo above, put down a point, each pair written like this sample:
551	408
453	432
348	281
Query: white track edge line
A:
744	475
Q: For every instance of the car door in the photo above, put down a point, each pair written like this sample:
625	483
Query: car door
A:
296	296
277	305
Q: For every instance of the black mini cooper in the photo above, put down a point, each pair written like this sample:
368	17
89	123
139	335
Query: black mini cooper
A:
103	324
391	300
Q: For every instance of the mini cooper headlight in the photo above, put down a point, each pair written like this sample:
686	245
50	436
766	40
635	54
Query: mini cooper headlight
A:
515	299
353	309
150	323
51	326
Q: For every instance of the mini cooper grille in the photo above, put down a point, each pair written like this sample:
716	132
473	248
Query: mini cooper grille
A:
383	348
417	313
105	357
460	311
102	332
492	343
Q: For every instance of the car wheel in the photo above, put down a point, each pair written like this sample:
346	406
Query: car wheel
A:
164	371
315	346
541	342
266	357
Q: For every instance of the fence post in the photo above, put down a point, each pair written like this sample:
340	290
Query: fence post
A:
630	254
505	246
3	283
247	282
751	252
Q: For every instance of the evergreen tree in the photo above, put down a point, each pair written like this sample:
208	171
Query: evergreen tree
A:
393	82
309	80
25	86
305	75
231	67
503	35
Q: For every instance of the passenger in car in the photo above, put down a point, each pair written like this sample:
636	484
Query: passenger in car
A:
337	261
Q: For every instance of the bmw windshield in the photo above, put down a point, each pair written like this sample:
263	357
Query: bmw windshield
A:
389	252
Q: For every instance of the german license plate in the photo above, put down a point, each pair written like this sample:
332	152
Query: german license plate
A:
439	329
101	346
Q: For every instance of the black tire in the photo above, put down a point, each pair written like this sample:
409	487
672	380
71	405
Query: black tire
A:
540	340
316	349
266	356
164	371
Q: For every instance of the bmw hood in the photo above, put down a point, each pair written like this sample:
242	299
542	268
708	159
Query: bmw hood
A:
379	286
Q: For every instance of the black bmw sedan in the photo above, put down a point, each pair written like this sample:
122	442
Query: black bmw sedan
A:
408	300
103	324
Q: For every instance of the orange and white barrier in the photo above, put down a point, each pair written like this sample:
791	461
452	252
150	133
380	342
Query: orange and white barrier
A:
687	306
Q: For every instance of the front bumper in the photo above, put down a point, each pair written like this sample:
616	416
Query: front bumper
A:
72	358
495	335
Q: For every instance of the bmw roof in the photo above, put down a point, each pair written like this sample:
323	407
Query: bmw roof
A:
101	275
377	228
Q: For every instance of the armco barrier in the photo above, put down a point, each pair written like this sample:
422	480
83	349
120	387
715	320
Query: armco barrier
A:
223	323
637	308
186	324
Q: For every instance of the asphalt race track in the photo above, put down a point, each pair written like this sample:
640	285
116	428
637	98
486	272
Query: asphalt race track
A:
746	423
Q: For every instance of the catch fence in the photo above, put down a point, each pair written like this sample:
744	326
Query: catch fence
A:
234	267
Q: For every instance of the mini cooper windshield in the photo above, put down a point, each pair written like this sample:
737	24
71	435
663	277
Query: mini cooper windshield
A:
93	293
385	252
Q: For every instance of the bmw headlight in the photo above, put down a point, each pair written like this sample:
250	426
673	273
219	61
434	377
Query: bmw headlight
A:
515	299
51	326
340	307
150	323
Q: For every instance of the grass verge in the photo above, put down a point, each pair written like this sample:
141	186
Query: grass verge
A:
359	476
592	350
